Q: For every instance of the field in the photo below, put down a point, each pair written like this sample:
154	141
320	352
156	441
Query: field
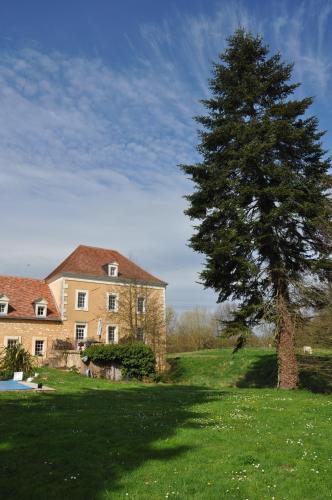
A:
218	431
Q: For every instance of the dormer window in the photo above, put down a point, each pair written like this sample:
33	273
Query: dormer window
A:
4	301
41	308
41	311
113	269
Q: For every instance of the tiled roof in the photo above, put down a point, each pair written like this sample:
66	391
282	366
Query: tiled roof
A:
92	261
23	293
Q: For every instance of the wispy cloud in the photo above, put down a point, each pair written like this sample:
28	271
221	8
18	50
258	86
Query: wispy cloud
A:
89	153
302	39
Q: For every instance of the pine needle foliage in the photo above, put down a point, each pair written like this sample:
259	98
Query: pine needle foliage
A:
261	192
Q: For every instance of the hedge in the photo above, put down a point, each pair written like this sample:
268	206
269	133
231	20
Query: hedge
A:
136	359
6	374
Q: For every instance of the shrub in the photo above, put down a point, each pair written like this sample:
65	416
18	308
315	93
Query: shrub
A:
63	345
136	359
6	374
74	369
89	343
17	359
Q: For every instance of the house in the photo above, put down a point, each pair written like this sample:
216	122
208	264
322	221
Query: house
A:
95	294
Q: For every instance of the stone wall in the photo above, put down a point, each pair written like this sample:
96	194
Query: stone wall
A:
124	316
64	359
111	372
28	331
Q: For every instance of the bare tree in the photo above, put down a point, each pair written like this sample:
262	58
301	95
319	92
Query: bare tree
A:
171	320
194	330
316	330
140	314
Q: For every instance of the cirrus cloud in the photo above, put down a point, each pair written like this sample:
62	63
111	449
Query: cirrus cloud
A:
89	153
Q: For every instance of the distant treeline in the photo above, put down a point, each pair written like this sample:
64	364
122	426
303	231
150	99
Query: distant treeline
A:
202	329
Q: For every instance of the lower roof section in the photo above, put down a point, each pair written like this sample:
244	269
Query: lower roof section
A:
22	295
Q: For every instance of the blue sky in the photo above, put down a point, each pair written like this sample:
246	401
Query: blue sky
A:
96	106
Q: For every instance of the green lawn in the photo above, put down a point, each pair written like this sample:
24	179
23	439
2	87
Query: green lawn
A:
209	435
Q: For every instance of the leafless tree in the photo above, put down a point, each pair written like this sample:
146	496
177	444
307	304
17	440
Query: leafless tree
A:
141	315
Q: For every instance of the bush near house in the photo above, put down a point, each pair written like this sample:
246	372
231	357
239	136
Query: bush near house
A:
63	345
6	374
136	359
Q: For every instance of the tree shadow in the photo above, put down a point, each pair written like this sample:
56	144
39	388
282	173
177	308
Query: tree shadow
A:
262	373
79	445
315	373
176	371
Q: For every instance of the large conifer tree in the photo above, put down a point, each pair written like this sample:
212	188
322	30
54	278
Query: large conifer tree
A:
261	194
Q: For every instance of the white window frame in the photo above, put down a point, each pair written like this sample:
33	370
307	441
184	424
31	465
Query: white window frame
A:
113	266
41	303
43	315
116	334
34	340
137	308
81	323
5	311
12	337
86	302
116	295
4	301
42	352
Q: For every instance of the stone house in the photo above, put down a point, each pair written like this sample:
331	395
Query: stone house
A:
95	294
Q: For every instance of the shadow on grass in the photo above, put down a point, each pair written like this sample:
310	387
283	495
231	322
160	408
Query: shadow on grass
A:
176	370
315	373
81	444
261	373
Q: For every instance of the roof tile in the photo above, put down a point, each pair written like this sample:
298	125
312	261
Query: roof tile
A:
23	293
92	261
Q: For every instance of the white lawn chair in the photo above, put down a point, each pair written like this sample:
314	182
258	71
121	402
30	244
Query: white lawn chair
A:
18	376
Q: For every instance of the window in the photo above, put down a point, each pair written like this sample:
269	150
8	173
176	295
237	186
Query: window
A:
140	334
80	331
12	342
41	308
4	300
112	304
41	311
113	269
82	300
141	305
112	334
39	347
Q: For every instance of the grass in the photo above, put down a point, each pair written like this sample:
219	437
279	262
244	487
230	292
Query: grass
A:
248	368
203	437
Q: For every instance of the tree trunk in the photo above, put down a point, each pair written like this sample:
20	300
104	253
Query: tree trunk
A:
287	363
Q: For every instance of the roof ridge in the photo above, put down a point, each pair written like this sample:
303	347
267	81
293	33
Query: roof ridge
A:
52	273
96	248
93	257
22	277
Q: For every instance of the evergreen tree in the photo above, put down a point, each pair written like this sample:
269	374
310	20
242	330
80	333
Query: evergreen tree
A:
261	194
